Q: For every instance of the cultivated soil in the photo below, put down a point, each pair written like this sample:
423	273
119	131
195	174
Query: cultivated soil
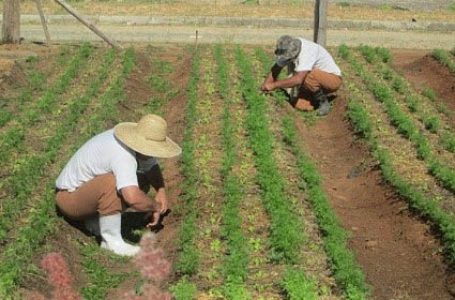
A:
422	70
398	252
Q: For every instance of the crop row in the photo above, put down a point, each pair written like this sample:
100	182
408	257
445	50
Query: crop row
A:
416	103
26	175
236	262
426	207
188	261
346	271
445	59
404	123
99	278
286	235
35	83
14	136
41	219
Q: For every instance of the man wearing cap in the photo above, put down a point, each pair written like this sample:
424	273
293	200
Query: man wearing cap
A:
314	73
104	177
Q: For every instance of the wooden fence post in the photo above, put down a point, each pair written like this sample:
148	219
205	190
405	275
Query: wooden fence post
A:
320	22
11	22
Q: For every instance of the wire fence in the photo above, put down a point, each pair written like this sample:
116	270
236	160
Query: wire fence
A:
391	4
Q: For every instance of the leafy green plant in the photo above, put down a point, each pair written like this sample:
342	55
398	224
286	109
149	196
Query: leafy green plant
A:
41	219
427	207
399	85
189	257
444	58
383	53
97	273
235	265
412	103
285	235
432	123
297	286
406	126
448	141
429	93
184	290
346	271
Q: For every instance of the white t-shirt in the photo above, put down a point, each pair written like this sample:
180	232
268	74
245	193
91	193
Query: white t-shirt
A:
313	56
100	155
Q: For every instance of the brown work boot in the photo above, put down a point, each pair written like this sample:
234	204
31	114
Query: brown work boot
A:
303	105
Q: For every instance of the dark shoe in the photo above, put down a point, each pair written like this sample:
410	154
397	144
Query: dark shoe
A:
324	104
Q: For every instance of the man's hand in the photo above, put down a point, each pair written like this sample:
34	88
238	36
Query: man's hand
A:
155	218
268	86
161	199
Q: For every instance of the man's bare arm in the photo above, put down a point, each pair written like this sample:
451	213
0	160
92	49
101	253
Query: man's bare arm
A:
137	199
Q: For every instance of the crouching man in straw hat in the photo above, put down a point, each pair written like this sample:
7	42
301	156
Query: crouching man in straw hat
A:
103	178
314	73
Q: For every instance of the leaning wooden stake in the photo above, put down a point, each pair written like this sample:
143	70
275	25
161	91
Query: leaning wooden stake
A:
89	25
43	20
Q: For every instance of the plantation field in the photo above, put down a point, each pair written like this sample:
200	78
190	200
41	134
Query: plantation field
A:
266	202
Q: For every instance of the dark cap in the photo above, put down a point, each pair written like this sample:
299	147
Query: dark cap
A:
287	48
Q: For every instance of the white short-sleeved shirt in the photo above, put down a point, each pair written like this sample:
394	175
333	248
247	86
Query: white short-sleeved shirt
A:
313	56
100	155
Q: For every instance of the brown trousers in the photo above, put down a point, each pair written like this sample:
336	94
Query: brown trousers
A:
96	196
318	79
315	80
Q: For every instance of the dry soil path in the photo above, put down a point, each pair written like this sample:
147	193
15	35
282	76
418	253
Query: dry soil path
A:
241	35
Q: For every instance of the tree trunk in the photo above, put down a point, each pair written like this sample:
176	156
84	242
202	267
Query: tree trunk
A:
11	21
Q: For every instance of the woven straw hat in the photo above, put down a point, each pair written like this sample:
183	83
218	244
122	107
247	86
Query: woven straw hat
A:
147	137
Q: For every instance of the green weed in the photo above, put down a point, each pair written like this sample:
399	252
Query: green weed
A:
183	290
432	123
444	58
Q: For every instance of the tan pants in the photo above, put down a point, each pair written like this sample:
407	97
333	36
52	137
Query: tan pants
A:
318	79
96	196
315	80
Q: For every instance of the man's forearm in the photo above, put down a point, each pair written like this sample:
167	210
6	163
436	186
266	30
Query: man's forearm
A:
290	82
144	204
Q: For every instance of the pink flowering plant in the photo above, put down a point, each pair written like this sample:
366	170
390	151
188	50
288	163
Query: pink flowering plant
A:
59	277
154	267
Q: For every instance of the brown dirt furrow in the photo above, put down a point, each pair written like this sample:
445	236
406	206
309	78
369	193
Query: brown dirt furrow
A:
423	71
174	115
138	91
397	252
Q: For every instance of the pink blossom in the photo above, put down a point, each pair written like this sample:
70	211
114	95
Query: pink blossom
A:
59	277
151	260
35	296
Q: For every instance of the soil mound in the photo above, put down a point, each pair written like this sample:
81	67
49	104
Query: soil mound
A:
423	71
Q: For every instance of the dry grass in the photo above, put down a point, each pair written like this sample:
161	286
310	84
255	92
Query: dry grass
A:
215	8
